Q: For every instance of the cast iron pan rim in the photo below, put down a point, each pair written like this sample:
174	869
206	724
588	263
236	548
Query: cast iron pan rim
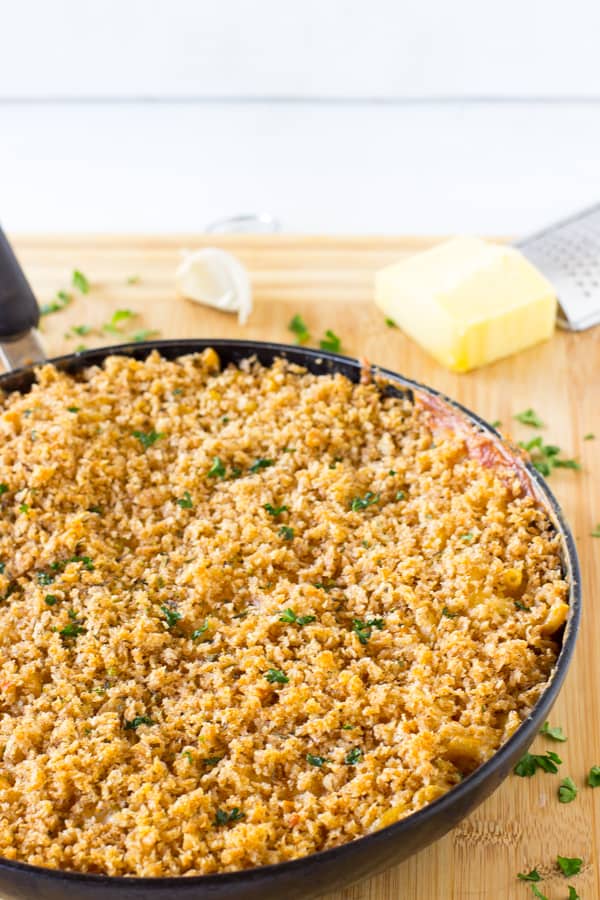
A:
480	775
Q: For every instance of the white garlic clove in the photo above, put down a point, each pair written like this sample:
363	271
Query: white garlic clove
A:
215	278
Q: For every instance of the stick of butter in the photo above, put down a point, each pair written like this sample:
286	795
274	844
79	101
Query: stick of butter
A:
468	301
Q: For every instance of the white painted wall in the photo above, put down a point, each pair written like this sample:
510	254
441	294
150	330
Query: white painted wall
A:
309	48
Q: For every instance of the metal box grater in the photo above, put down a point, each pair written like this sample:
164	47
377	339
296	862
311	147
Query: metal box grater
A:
568	254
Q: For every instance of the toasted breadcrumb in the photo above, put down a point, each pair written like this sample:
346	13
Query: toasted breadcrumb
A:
142	730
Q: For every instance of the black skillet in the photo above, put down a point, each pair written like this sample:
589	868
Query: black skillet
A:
310	876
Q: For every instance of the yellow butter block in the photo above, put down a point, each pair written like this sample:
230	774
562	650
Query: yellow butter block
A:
468	302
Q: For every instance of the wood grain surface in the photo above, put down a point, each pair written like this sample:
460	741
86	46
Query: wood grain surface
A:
329	282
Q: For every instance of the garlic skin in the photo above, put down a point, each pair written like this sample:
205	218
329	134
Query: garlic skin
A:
215	278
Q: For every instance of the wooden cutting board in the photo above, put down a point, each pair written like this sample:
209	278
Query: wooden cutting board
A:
328	281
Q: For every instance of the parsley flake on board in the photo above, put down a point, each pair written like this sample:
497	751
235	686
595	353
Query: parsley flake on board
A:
534	875
569	865
573	895
557	734
298	326
331	342
144	335
589	437
147	438
531	762
390	323
186	501
275	510
537	893
364	630
567	791
276	676
546	457
61	300
222	817
120	315
594	777
134	724
80	281
529	417
369	499
596	532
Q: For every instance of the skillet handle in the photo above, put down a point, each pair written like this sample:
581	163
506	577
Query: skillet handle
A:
19	311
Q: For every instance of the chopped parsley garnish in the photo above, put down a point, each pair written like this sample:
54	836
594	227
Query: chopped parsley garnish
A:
74	628
61	300
276	676
390	323
317	761
298	327
546	457
531	762
133	279
2	568
399	495
212	761
144	335
80	282
222	817
24	508
95	509
86	560
261	464
529	417
331	342
449	615
567	791
188	756
557	734
186	501
3	488
364	630
521	606
172	617
569	865
120	315
286	533
596	531
50	599
73	409
467	536
274	510
197	632
45	578
147	438
496	423
289	617
217	470
347	727
326	586
358	503
589	437
353	756
534	875
135	723
594	777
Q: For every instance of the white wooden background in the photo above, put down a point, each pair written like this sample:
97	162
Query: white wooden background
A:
336	115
